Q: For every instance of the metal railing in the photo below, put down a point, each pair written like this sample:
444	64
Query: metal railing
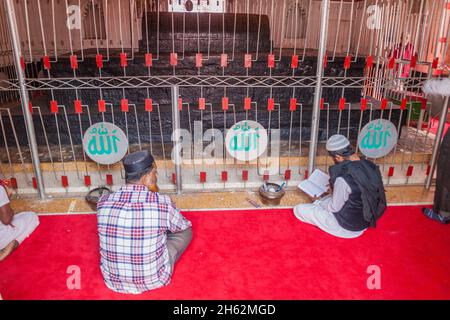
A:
362	60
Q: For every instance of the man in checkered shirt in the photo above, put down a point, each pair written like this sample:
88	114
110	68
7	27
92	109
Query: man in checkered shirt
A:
142	234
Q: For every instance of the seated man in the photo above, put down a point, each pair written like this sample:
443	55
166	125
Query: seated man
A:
357	198
142	234
441	208
13	228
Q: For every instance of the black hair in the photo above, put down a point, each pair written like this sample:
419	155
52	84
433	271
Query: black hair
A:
346	152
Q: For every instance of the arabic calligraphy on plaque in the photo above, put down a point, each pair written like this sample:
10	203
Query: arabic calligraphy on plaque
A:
246	140
105	143
378	138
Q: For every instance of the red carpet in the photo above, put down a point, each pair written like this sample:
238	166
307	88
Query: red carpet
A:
248	255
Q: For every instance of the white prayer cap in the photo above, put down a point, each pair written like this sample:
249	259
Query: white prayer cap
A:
337	142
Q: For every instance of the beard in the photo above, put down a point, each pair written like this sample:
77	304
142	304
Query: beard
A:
154	188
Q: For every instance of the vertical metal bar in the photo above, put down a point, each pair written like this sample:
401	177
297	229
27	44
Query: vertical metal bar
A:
176	129
437	141
318	91
24	97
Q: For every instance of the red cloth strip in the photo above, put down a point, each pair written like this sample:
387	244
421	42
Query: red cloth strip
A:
78	106
124	105
46	62
271	61
174	178
224	176
391	171
99	61
22	63
248	60
148	60
64	181
173	59
341	104
223	60
225	103
410	171
54	106
293	104
247	103
270	104
73	62
287	175
198	60
87	181
148	105
201	103
294	61
391	63
123	60
363	104
101	106
384	103
109	179
347	62
369	62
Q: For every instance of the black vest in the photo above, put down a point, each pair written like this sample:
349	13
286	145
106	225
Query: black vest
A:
351	216
356	214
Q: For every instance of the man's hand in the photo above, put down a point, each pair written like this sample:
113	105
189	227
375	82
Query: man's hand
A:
322	196
6	215
313	199
9	191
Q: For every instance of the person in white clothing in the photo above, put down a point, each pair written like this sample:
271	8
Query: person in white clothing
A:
14	228
343	213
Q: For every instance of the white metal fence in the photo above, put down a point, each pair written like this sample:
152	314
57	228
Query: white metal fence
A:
91	60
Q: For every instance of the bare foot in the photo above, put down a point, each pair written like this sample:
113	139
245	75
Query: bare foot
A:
8	249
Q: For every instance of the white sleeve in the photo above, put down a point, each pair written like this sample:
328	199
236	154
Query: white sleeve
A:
341	192
3	197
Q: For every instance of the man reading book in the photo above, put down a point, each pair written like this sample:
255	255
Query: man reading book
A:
357	198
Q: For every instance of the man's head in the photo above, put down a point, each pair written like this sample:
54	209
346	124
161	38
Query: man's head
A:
140	168
339	148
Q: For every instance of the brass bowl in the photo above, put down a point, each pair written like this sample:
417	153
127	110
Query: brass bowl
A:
94	195
269	197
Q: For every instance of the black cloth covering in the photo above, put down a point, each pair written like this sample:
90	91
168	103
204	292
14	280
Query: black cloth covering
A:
442	194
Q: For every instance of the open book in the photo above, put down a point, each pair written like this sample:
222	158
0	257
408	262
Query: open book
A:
316	185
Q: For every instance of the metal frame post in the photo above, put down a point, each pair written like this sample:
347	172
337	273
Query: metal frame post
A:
318	91
11	16
176	129
437	141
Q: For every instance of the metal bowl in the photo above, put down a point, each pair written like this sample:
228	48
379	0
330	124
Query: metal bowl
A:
270	196
94	195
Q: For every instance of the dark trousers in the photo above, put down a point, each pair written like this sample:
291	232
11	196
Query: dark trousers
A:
177	242
442	194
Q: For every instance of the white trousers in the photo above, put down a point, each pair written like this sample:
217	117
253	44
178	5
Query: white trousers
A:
314	214
24	224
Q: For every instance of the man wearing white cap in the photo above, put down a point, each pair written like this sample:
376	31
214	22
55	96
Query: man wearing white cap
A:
357	200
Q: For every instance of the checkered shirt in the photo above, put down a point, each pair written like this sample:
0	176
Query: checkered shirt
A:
132	227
